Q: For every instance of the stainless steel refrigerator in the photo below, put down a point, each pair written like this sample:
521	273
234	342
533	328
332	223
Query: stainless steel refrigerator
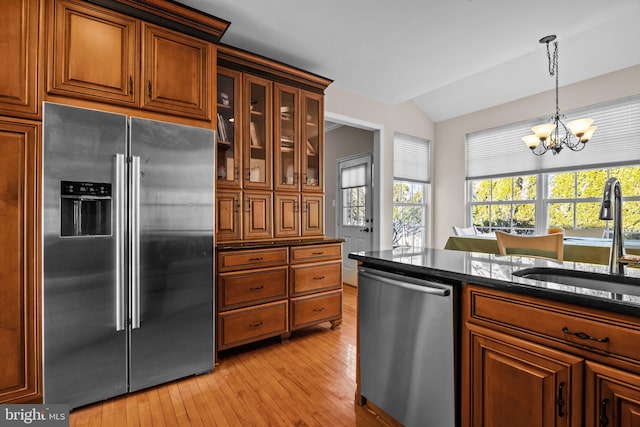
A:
128	270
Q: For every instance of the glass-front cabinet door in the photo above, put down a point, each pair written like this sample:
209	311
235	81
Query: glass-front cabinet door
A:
287	138
228	123
257	142
312	141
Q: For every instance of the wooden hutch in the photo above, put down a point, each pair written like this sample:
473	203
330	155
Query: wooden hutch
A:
276	271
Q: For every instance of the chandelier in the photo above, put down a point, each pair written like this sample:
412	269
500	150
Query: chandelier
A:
556	135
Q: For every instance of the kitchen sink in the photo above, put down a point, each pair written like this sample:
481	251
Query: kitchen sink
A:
583	279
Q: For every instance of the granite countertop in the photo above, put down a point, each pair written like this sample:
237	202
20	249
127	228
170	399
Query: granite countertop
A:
496	271
277	243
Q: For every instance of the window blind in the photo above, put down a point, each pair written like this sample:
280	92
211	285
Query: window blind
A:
411	158
354	176
501	151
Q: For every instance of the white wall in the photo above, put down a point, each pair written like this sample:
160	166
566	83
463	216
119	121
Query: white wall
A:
341	142
448	188
405	118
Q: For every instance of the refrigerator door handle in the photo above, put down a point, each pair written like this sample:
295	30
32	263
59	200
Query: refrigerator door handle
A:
135	242
119	209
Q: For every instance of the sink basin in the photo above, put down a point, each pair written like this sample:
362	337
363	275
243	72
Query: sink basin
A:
584	279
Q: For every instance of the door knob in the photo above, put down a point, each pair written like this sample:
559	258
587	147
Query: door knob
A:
366	230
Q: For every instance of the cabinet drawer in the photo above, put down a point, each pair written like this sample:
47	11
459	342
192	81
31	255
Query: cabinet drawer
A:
562	323
316	253
250	324
252	258
240	289
310	278
315	309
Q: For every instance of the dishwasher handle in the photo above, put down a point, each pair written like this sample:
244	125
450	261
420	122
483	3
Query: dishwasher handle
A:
411	283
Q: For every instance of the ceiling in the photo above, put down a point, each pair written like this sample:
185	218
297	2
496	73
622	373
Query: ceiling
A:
450	57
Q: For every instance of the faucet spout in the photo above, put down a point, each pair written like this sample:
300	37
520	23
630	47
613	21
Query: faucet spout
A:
613	189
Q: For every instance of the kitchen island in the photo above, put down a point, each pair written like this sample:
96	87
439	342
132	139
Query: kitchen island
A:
540	352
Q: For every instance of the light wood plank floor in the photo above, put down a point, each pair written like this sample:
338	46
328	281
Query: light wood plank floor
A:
307	381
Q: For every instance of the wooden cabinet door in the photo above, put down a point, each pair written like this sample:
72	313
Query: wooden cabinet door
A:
612	397
228	125
258	215
257	138
312	149
176	73
20	33
312	215
286	164
228	216
20	375
515	382
287	215
93	53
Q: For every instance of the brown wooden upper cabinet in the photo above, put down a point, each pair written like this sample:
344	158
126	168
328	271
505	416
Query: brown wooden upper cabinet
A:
98	54
257	136
19	71
287	137
312	142
228	123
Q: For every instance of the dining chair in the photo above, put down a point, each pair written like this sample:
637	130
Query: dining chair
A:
548	246
465	231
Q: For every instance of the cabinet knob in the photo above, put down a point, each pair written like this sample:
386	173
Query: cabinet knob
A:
149	88
130	85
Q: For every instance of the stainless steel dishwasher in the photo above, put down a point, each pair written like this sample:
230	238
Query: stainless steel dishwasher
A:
407	340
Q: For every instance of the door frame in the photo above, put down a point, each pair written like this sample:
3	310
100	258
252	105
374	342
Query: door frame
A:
376	164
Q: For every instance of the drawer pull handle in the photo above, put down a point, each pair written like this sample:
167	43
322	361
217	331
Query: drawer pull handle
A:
584	336
560	400
604	421
257	324
319	309
259	258
257	288
318	278
318	253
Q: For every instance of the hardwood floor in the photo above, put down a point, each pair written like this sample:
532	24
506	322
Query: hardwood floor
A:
307	381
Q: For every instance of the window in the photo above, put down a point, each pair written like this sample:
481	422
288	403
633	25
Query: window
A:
410	190
506	204
409	214
353	184
573	201
528	193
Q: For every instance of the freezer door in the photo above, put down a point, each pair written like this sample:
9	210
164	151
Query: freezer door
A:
85	342
172	179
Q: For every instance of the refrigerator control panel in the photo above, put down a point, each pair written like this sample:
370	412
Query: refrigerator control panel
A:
77	188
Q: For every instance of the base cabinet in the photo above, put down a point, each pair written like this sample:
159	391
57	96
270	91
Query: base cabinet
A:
612	397
513	379
262	292
545	363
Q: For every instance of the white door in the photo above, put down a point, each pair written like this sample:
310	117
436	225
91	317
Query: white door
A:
354	207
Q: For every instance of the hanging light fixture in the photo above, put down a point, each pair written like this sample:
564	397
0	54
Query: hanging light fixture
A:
556	135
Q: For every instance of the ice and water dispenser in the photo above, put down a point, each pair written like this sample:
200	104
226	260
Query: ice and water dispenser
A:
85	209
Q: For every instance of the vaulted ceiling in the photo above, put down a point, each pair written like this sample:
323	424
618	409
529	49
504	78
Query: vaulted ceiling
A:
450	57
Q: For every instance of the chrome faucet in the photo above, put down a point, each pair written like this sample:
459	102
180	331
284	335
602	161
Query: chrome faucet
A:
617	244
